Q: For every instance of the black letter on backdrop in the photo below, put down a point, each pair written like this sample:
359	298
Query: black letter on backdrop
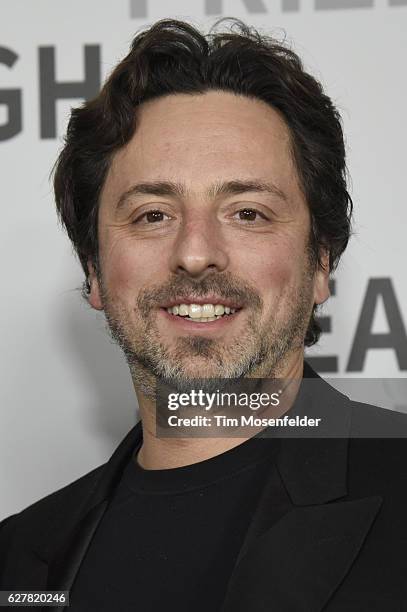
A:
364	340
11	98
52	90
214	7
138	9
323	5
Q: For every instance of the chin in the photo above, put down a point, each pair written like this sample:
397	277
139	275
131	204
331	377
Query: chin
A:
202	370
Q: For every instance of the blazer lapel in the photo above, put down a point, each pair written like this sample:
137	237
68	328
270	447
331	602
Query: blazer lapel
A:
297	560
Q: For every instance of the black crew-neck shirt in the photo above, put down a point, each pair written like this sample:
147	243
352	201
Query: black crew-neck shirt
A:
169	539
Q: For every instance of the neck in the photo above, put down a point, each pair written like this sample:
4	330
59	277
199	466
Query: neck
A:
165	453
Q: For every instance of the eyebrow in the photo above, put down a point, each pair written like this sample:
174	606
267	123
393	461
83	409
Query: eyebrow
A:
169	188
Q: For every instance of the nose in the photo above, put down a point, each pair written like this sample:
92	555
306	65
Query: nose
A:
199	248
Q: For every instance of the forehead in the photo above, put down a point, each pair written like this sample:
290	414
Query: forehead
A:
201	139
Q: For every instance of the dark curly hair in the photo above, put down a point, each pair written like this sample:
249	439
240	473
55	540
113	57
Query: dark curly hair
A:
174	57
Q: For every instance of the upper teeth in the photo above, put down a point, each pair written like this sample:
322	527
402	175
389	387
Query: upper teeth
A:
197	311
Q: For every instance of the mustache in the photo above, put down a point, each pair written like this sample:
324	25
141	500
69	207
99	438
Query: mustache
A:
223	285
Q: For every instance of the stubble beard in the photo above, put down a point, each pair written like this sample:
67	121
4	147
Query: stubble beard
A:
261	350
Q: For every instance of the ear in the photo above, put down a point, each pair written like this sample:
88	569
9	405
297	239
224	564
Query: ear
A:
321	279
95	293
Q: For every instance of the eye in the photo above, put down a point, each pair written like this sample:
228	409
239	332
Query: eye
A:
151	216
249	214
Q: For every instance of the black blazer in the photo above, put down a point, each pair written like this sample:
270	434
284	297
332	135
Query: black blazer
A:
342	546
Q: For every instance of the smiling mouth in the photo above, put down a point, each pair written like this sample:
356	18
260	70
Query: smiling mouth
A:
201	313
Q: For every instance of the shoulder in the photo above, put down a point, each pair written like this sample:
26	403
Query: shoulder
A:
378	454
60	509
369	421
43	511
23	532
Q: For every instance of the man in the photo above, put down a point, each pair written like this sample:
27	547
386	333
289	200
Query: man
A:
204	190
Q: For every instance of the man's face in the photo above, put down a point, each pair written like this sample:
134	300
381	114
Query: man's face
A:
203	206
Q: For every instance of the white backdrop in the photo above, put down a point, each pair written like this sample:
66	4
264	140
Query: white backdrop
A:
66	397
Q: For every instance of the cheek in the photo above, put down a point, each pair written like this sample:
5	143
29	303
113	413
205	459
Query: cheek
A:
129	267
273	265
122	268
277	276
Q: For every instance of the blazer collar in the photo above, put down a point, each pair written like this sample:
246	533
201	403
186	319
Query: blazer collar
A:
313	472
298	562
